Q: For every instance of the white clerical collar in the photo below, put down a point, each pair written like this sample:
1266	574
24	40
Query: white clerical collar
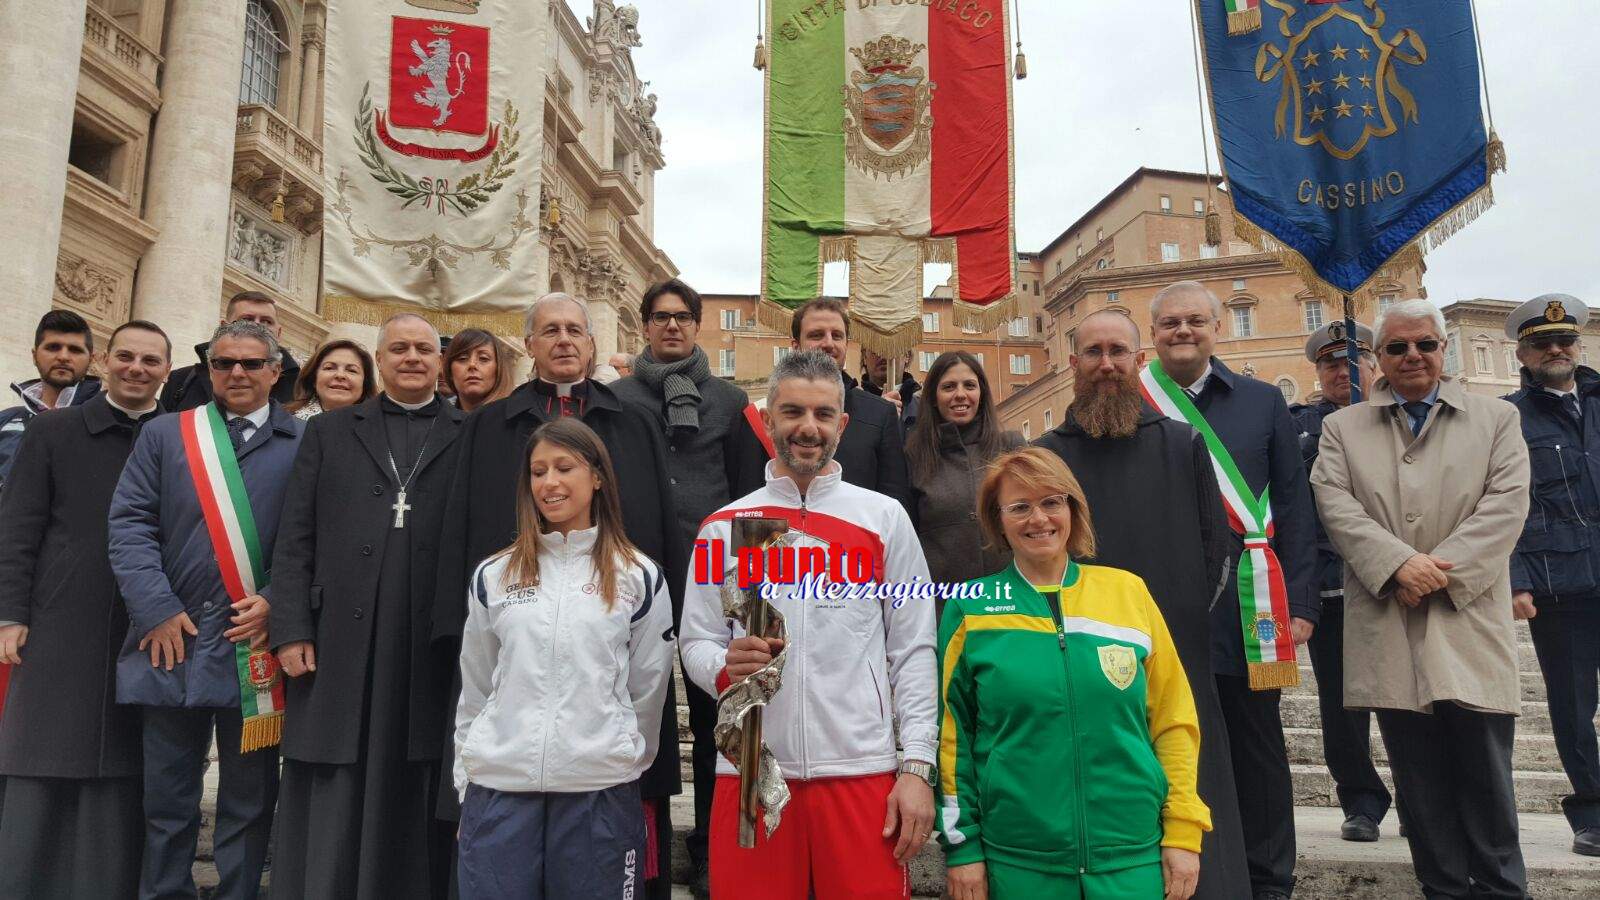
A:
131	413
257	418
413	407
562	390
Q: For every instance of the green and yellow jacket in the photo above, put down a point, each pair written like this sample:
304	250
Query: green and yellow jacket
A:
1068	737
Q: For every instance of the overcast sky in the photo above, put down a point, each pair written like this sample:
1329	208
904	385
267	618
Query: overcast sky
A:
1111	87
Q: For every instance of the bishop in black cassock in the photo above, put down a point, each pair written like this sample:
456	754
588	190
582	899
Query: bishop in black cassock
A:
1158	514
354	577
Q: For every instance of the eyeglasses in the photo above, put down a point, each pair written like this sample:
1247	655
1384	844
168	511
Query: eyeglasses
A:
1401	348
1095	354
226	364
1564	341
1051	506
684	319
1195	323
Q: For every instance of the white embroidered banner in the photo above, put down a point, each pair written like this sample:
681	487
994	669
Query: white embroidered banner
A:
432	137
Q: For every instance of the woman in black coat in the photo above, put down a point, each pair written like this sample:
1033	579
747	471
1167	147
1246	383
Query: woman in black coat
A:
956	437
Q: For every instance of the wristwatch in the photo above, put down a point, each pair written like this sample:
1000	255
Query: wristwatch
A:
920	769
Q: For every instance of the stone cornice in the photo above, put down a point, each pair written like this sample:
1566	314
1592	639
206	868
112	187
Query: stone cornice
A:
1238	266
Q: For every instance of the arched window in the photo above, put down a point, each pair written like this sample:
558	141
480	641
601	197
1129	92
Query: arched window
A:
1289	388
264	50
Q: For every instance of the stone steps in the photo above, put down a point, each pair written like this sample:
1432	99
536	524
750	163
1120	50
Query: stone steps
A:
1300	711
1532	684
1533	752
1537	792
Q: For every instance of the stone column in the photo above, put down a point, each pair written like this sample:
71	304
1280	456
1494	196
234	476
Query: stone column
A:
38	90
310	120
191	169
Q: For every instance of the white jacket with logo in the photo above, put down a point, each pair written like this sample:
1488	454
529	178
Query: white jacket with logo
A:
558	693
853	663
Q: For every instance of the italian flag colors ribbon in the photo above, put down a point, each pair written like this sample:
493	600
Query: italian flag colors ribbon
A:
232	527
1263	598
888	146
1244	16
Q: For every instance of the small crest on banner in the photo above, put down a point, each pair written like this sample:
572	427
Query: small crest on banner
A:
1119	664
1266	628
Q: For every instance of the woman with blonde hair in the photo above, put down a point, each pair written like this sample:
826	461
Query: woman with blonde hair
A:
1068	741
564	665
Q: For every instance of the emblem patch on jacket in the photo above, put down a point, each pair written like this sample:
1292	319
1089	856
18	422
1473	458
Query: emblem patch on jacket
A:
1119	665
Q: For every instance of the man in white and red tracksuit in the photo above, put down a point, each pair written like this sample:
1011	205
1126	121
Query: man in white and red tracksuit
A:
858	812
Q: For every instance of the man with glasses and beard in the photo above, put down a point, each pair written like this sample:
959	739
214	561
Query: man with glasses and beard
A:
1554	571
1424	491
1130	460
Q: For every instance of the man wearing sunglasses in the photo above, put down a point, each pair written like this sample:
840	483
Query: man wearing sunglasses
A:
1423	490
1346	734
1555	573
1256	619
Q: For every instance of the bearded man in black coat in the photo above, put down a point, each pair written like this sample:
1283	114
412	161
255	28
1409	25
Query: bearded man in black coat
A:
71	776
1158	514
480	516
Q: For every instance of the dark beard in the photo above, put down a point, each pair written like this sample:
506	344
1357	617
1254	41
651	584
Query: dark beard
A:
1108	409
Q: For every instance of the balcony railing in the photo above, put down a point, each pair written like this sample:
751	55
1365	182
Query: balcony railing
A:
273	159
265	122
100	30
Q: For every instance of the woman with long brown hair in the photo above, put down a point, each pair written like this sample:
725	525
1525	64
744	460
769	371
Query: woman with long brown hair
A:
565	660
339	374
950	447
477	369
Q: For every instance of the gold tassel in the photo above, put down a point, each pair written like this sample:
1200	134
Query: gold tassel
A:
1496	154
1244	21
277	205
761	53
1022	62
1274	675
1213	228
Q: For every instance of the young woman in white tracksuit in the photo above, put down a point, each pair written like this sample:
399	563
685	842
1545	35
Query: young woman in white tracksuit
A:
564	665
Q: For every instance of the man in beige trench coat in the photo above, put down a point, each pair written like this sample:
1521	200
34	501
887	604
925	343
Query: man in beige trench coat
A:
1424	489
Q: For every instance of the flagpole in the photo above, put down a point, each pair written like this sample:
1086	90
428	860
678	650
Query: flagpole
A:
1352	355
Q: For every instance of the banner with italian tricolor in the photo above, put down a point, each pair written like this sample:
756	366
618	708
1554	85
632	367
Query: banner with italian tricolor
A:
219	485
888	146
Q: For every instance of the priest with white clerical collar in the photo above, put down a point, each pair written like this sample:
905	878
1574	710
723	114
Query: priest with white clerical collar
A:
353	625
480	514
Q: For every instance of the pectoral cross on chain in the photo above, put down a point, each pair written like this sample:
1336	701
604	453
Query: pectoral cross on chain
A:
400	507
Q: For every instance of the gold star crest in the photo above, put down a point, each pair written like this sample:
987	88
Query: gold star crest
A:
1310	59
1366	110
1314	87
1366	81
1342	110
1338	52
1318	113
1342	81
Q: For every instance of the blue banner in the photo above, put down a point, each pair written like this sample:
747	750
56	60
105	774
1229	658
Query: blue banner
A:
1349	129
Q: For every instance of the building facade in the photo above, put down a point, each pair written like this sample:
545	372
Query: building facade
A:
1148	233
180	162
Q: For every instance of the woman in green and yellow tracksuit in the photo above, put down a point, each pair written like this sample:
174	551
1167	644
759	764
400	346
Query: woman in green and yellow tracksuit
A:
1068	736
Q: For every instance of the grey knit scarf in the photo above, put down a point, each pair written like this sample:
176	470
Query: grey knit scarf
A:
676	382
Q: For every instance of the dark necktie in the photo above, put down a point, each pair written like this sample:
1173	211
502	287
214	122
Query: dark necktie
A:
236	427
1569	402
1418	411
1194	395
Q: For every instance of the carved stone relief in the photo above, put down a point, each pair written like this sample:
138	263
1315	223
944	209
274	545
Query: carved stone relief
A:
254	246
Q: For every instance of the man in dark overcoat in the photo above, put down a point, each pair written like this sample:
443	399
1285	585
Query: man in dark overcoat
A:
480	514
71	819
1130	460
352	622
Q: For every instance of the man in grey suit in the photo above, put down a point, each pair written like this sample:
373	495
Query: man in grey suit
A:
180	661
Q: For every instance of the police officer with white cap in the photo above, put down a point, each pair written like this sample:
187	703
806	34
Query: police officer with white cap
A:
1555	571
1346	742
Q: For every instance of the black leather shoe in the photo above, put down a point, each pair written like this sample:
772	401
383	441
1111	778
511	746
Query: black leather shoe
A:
701	889
1359	828
1587	842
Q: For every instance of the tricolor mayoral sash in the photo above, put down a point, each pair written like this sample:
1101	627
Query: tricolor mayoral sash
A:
1350	131
220	487
888	146
1263	598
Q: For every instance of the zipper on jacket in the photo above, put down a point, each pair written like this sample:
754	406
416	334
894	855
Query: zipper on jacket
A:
1072	705
555	635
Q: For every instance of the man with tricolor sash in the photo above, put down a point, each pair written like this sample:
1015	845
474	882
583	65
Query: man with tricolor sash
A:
1266	605
192	525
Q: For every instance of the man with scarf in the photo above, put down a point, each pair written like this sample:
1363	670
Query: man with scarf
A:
714	454
480	517
1130	460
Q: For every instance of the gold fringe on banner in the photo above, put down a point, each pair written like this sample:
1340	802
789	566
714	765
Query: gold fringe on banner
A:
888	344
355	310
260	732
987	317
837	248
1244	21
939	251
774	315
1266	676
